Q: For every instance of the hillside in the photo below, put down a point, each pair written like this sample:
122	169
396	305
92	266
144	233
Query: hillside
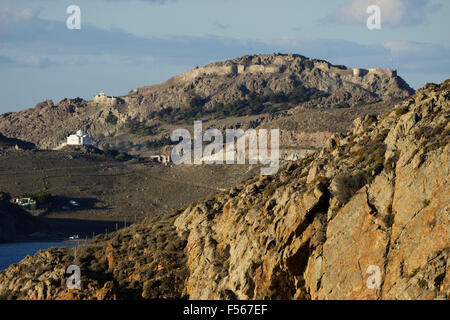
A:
374	199
16	222
16	144
248	92
110	193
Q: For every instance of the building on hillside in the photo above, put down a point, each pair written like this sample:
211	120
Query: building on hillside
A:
25	202
103	99
79	139
161	159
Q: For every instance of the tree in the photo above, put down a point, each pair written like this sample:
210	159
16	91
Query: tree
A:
111	119
43	196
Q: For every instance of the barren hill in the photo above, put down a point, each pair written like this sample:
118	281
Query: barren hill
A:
366	217
246	92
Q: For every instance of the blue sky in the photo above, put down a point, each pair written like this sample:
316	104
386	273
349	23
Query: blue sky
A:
124	44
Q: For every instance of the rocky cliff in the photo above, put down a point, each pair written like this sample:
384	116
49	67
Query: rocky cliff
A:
378	197
48	124
364	218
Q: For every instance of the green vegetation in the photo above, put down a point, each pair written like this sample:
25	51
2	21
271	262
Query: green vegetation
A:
414	273
341	105
422	283
426	202
391	163
139	128
111	119
347	185
115	154
401	111
370	154
253	104
389	219
43	196
308	64
164	141
366	103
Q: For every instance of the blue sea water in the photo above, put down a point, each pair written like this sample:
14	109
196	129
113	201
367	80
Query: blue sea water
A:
14	252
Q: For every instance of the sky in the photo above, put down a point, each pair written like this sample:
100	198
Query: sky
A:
125	44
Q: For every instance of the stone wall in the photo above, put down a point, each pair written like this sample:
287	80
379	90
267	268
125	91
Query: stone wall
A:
105	100
278	65
233	69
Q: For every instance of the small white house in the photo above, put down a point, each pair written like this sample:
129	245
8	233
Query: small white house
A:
79	139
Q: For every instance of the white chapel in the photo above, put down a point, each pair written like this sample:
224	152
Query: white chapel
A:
79	139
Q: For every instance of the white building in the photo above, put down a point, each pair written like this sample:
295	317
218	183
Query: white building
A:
79	139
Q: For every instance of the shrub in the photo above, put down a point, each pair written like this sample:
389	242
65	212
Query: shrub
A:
389	219
401	111
341	105
197	102
111	119
345	185
308	64
391	163
139	128
43	196
422	283
122	156
164	141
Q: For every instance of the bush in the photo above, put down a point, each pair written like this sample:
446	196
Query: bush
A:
139	128
345	185
111	119
43	196
401	111
422	283
122	156
253	104
341	105
389	219
197	102
308	64
164	141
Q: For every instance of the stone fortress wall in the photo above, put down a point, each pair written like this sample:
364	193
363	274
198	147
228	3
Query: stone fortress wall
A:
103	99
270	64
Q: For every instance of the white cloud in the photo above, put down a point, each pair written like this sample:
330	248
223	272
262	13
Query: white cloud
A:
9	16
393	12
420	57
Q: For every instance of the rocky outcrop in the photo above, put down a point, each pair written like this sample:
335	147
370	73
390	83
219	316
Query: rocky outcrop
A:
366	217
144	261
370	210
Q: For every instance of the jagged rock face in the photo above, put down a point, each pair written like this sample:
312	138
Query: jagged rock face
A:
365	218
48	124
300	235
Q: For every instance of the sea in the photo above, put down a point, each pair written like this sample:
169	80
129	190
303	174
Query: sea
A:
14	252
